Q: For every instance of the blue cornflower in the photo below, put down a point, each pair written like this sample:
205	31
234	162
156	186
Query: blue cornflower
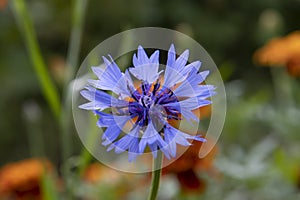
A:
145	110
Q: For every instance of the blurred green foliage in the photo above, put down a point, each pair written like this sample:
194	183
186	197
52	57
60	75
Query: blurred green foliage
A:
263	103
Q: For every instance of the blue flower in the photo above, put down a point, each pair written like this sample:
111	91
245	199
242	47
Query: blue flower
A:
145	110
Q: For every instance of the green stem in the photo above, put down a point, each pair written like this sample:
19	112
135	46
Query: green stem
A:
27	29
79	9
78	13
156	173
283	89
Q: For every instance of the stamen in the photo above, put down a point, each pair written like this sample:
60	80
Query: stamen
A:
156	87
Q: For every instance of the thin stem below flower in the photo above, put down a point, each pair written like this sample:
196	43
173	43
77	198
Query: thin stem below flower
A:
156	174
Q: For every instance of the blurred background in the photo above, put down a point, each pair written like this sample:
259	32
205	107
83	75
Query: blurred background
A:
43	44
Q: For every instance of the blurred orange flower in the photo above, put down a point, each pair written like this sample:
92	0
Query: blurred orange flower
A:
203	112
21	180
96	172
293	66
187	166
284	51
3	4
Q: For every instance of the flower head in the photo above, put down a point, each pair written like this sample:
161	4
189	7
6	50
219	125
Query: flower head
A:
146	109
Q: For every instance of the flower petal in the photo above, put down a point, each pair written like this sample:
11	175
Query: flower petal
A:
98	71
173	73
145	69
185	107
100	100
127	141
129	81
196	65
171	56
190	86
176	69
110	134
172	77
111	78
153	139
142	56
181	61
106	120
174	136
169	138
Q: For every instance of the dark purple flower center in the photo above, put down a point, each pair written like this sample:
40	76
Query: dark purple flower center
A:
149	102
